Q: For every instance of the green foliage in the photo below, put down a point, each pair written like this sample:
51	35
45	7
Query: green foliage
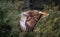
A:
10	16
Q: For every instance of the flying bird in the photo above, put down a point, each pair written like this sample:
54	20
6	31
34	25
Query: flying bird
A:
30	18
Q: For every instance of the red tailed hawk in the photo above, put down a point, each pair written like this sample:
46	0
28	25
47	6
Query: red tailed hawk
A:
29	19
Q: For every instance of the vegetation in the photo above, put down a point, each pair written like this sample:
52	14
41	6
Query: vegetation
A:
9	20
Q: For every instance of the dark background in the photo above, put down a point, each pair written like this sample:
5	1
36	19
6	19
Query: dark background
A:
10	15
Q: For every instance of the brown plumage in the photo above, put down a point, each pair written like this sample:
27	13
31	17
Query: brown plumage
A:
33	17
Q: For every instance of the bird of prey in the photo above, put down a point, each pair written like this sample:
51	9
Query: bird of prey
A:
30	18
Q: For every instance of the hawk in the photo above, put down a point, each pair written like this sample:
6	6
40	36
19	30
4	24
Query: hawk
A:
30	18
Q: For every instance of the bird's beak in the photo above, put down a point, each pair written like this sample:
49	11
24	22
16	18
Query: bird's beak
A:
44	14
